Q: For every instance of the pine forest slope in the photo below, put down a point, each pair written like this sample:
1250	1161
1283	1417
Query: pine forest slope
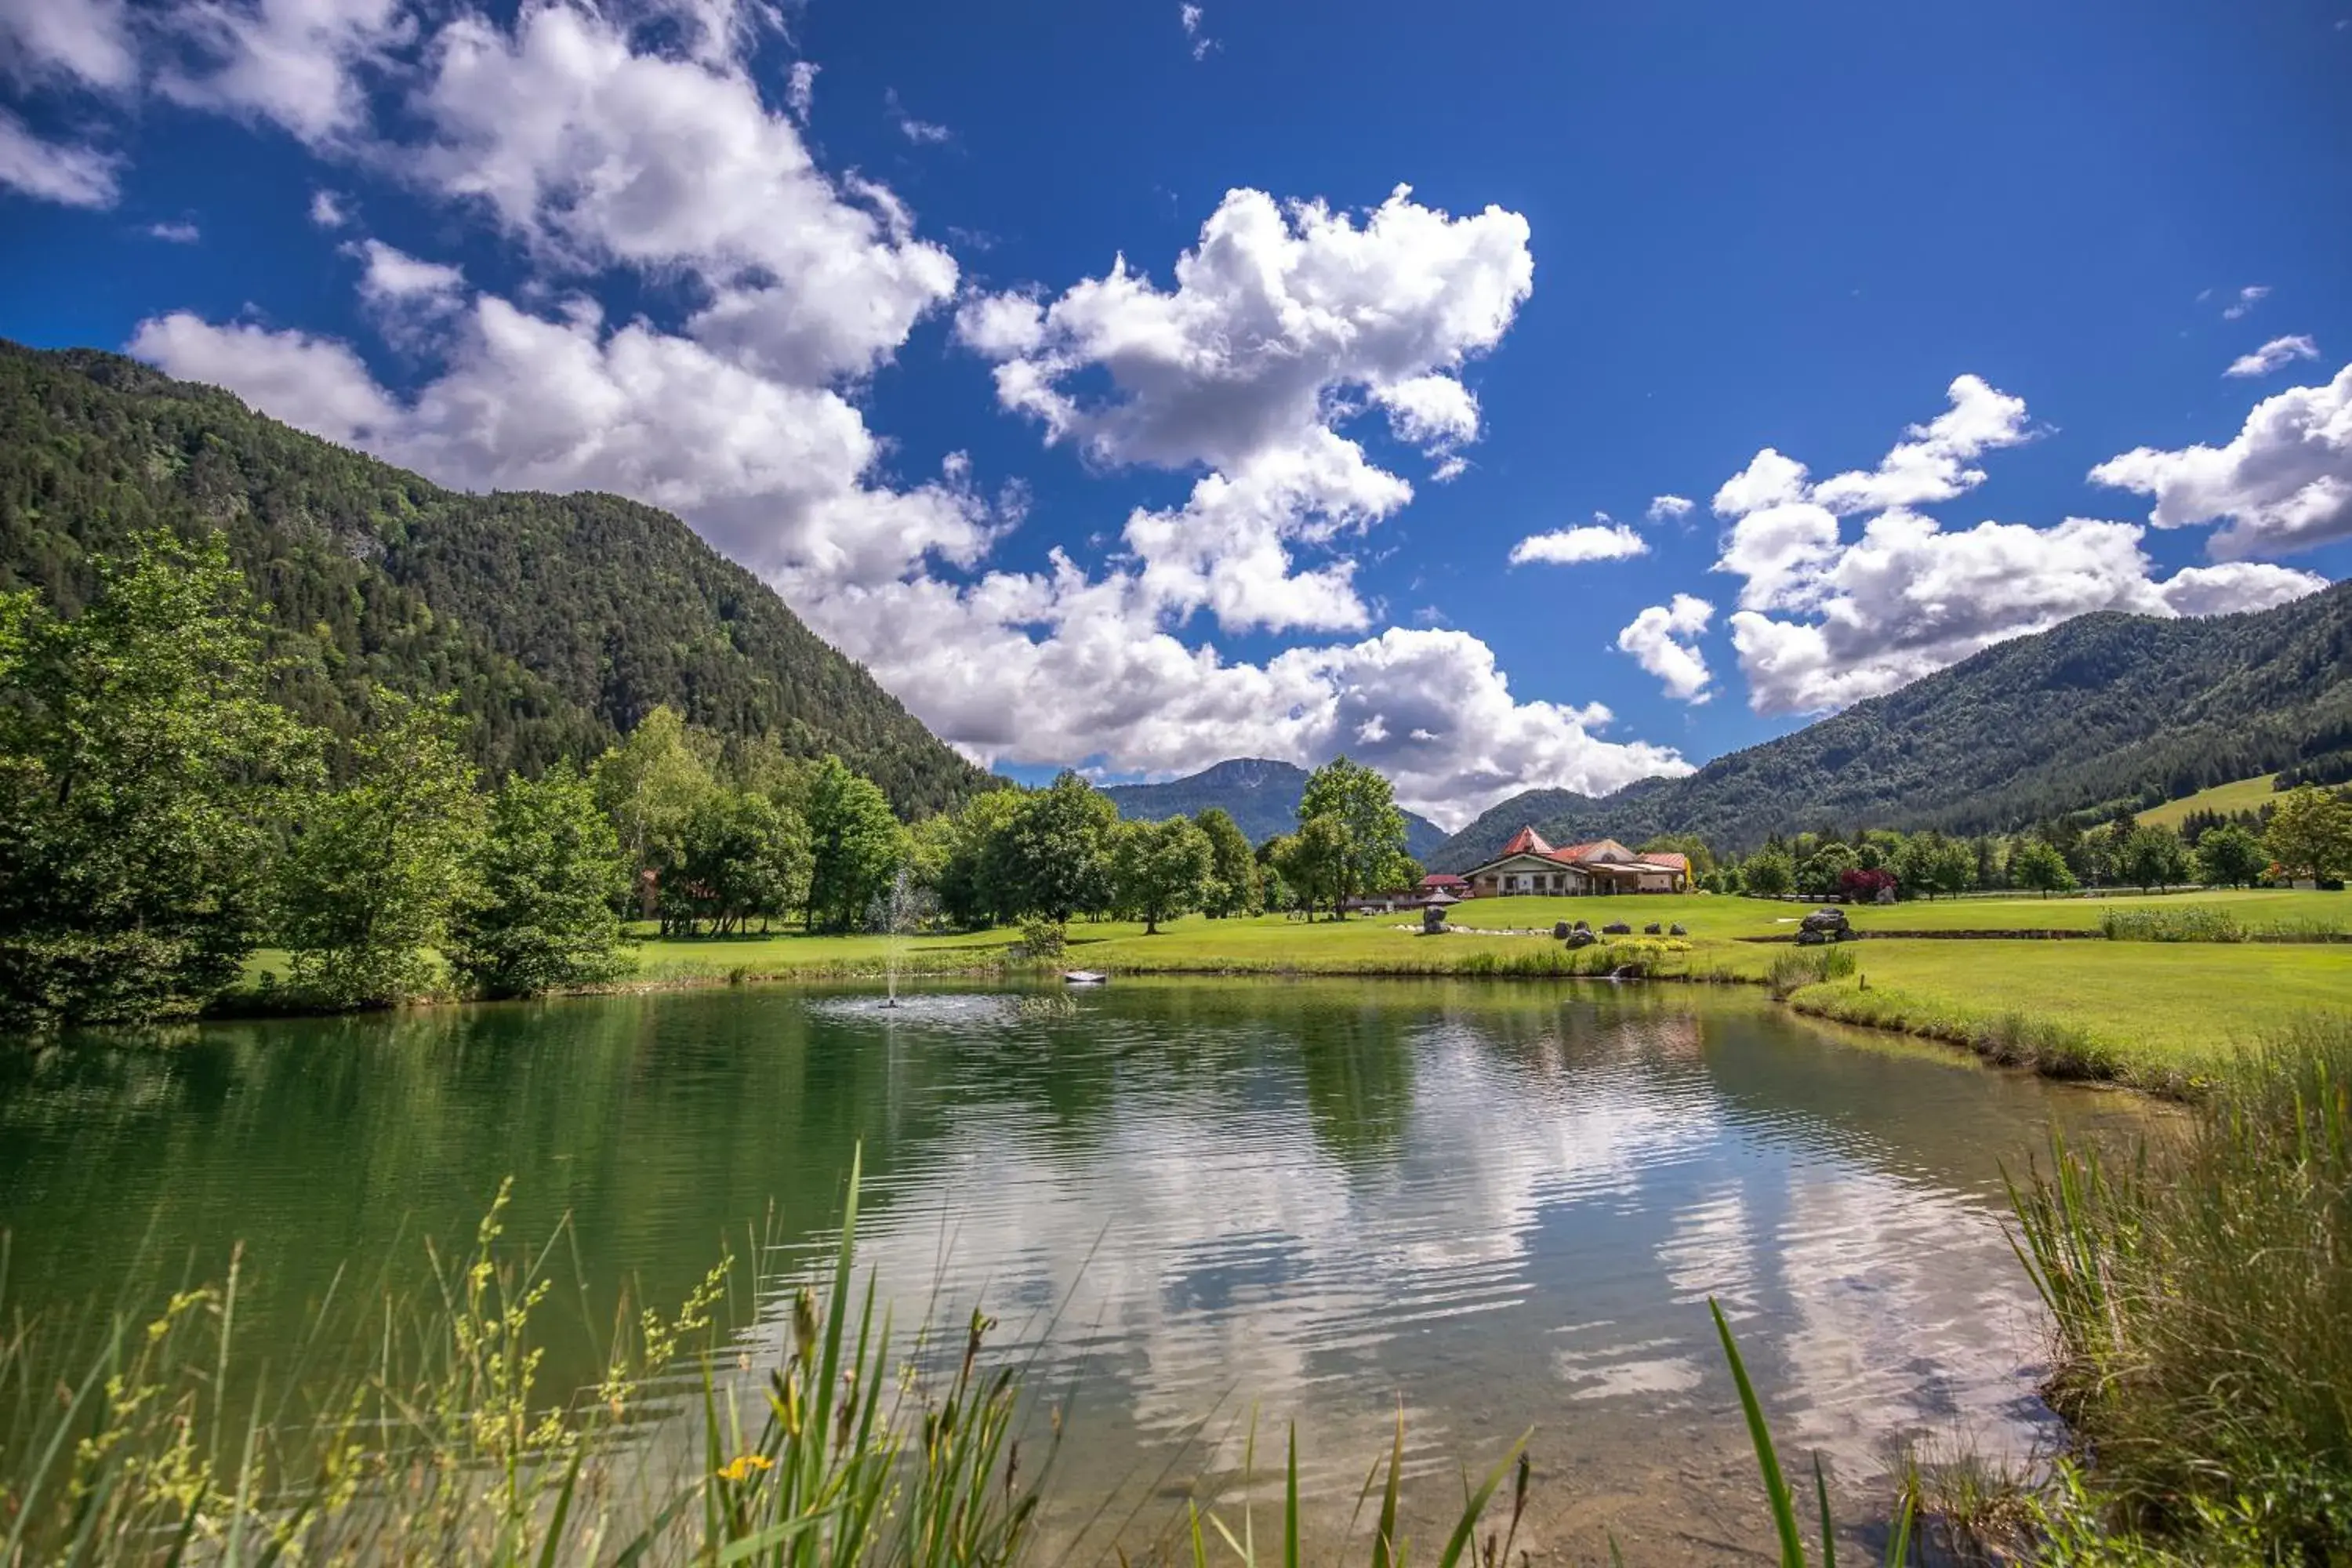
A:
1261	795
559	621
2102	709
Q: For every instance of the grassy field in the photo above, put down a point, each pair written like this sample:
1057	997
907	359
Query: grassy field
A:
2154	1014
2246	794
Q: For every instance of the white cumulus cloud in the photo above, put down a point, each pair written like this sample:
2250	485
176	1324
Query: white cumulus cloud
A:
61	172
593	153
1588	541
1824	622
2282	484
2272	355
1661	639
1670	507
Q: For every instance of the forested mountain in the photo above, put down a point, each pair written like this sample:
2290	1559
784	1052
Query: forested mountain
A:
2108	708
559	621
1260	795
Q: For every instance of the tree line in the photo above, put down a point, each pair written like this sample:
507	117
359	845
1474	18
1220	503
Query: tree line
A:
165	813
2304	834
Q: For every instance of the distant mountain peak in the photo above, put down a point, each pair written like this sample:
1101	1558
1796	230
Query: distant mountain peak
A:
1259	793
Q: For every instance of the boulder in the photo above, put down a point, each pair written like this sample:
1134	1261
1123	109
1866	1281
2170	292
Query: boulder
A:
1618	928
1584	925
1582	937
1676	929
1654	929
1433	921
1825	920
1810	937
1559	930
1885	896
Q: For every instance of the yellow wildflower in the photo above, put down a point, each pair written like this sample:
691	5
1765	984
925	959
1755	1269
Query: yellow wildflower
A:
740	1467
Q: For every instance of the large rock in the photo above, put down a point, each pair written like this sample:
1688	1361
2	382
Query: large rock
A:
1618	928
1827	921
1654	929
1677	928
1582	937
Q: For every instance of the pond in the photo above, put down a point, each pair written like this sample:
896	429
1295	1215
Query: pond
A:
1495	1206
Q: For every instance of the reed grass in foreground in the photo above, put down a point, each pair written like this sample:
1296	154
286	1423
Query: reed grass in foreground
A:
2202	1303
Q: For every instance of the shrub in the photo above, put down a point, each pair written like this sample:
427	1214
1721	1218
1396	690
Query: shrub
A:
1794	970
1045	940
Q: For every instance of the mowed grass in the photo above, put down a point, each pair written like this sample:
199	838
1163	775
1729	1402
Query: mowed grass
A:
2159	1014
2246	794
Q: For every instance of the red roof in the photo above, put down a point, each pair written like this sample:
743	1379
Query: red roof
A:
1443	879
1680	862
1527	841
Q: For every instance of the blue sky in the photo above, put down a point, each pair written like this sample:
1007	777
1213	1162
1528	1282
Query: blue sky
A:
836	283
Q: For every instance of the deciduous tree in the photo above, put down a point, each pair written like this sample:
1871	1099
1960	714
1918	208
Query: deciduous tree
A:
2310	833
2229	856
2035	863
377	867
550	871
856	845
1233	875
144	774
1359	805
1161	869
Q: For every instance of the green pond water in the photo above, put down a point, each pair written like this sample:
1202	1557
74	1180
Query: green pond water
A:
1496	1207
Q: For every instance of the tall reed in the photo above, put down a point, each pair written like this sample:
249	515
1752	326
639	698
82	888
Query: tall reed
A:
2200	1295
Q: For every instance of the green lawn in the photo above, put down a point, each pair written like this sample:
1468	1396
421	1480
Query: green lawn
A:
2246	794
2149	1012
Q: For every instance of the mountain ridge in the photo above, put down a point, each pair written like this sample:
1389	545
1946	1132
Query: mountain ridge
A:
559	621
2101	707
1259	793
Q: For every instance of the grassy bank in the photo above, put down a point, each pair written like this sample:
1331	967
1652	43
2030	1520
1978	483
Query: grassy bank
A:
2202	1306
2156	1014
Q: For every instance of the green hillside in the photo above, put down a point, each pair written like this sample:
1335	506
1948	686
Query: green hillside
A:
559	621
2107	708
2225	800
1261	795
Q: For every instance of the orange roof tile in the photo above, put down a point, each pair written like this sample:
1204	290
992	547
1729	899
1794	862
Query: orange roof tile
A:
1527	841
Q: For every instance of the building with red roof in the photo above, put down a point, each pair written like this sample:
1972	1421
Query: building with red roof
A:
1528	865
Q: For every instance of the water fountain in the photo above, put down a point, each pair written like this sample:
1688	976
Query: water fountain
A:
894	919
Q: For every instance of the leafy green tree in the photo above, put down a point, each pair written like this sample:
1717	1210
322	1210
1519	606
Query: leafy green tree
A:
1275	884
2229	856
1314	862
1360	807
2151	857
1233	876
2035	863
651	785
856	845
1161	870
963	859
144	773
1930	863
745	856
1055	854
2310	833
548	875
377	867
1819	875
1769	873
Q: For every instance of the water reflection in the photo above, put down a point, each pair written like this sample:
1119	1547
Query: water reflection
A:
1504	1206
